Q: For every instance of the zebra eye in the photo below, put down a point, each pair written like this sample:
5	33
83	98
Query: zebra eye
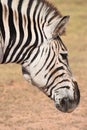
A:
64	55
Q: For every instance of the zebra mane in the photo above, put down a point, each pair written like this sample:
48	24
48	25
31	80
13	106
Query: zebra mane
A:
54	14
51	7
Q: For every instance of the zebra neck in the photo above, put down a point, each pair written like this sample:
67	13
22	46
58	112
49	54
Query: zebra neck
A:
26	24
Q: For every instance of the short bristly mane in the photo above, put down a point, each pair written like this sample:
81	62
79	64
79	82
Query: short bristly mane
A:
51	7
54	17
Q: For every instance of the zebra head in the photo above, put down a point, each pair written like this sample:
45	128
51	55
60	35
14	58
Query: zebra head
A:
63	88
49	70
61	85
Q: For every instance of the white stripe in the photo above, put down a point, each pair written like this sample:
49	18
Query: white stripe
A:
32	24
16	24
25	28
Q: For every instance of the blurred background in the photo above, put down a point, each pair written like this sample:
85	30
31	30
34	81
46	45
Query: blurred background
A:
39	112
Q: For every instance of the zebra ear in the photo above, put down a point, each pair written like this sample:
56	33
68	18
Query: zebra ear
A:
60	28
55	27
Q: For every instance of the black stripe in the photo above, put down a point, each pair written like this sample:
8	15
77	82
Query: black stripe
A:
12	32
35	44
21	32
9	3
38	21
66	65
40	57
35	29
53	17
1	22
50	61
26	44
65	80
20	5
49	69
62	62
64	87
52	90
44	63
57	89
61	44
48	86
35	56
52	67
56	70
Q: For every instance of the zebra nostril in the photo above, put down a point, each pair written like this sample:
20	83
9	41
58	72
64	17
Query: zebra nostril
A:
65	104
64	101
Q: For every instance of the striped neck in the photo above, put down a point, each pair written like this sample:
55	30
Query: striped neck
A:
25	24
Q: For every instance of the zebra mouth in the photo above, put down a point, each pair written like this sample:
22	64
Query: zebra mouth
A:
66	105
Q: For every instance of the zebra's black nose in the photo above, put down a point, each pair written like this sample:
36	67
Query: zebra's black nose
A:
68	103
65	105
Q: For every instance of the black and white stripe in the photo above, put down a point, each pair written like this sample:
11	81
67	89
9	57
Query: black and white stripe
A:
30	35
22	26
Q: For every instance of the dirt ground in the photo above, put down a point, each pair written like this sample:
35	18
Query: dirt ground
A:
24	107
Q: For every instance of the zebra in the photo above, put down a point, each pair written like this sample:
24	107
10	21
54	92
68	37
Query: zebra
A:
30	35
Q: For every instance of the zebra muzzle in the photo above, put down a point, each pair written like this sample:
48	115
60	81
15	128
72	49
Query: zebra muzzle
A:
68	104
